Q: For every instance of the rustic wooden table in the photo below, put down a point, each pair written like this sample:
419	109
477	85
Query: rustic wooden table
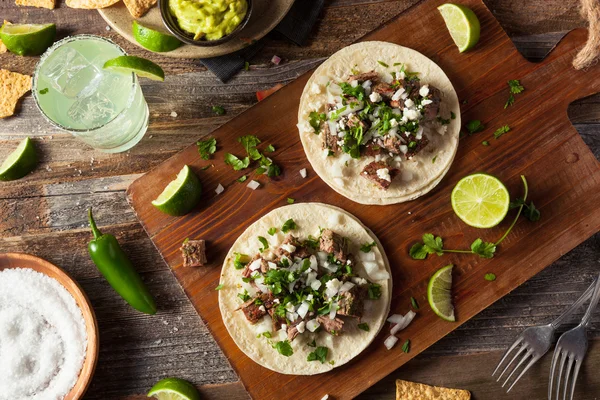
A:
45	213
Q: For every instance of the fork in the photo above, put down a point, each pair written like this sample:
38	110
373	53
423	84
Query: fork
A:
571	348
535	341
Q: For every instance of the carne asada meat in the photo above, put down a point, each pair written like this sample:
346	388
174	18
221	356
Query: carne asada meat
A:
355	121
253	312
331	141
351	302
380	178
385	90
277	320
392	144
332	326
412	86
419	144
365	76
371	150
332	243
194	253
292	330
430	111
264	266
299	251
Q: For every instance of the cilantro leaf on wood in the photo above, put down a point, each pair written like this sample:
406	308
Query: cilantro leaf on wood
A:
433	244
218	110
529	210
483	249
474	126
514	87
501	131
250	142
490	277
235	162
207	147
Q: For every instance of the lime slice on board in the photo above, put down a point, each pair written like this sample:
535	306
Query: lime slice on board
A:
462	23
141	66
27	39
181	194
154	40
174	389
20	162
439	293
480	200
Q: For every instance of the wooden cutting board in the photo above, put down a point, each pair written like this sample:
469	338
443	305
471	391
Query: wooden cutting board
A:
563	175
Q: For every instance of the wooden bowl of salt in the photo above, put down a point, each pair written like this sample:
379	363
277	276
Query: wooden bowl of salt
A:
21	260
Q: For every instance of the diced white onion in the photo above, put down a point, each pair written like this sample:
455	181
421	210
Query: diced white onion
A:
303	172
367	84
303	309
312	325
272	265
359	281
370	267
322	256
380	275
396	318
333	310
334	89
346	286
390	342
333	287
370	256
219	189
254	265
315	285
253	184
407	175
290	248
301	327
403	322
291	316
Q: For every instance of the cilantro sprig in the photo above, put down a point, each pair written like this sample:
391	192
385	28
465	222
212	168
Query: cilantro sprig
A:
250	143
320	354
514	87
365	248
207	147
435	245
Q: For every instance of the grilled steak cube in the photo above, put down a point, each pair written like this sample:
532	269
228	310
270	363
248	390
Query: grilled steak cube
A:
332	243
194	253
416	145
253	312
370	172
292	330
385	90
351	303
300	251
412	86
277	320
365	76
371	150
430	111
264	266
392	145
333	326
330	141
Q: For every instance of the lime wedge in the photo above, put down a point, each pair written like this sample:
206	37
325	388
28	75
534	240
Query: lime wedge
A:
181	194
20	162
141	66
480	200
174	389
439	293
154	40
462	23
28	39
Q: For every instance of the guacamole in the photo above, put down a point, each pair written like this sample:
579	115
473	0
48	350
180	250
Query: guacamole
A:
208	19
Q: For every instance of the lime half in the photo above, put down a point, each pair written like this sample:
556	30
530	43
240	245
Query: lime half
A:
141	66
480	200
181	194
20	162
462	23
174	389
439	293
27	39
154	40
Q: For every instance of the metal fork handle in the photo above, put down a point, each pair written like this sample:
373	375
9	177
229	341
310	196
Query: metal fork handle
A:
582	299
593	303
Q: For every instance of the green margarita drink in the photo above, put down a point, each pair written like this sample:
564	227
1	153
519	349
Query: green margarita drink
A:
105	109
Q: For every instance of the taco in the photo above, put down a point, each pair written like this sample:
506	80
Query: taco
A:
379	123
305	289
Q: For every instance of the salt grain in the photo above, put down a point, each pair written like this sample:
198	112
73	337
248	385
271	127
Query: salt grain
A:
43	335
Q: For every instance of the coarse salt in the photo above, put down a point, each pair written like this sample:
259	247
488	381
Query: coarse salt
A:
44	337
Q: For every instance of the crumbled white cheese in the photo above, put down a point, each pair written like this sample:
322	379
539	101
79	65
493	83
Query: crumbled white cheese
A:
393	123
301	327
255	265
409	103
426	102
375	97
315	285
401	75
262	308
384	173
424	91
354	83
399	92
333	286
411	114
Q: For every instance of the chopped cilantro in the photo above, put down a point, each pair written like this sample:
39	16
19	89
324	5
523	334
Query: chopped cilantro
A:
320	354
264	242
219	287
452	115
374	291
270	148
433	159
383	64
242	178
414	303
284	348
43	91
288	225
218	110
240	260
501	131
244	296
406	346
474	126
490	277
364	326
514	87
365	248
290	200
272	231
250	142
207	147
485	143
315	119
246	65
235	162
312	344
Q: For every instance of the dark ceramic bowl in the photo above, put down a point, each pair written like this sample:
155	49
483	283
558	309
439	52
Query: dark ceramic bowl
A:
171	23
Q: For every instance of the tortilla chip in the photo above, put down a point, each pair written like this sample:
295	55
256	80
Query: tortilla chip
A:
91	4
137	8
37	3
12	87
406	390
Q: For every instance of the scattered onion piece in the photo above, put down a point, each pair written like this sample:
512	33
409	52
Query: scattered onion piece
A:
253	184
404	321
263	94
276	60
303	172
390	341
220	189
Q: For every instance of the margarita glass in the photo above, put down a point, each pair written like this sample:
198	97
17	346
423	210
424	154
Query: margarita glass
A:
105	109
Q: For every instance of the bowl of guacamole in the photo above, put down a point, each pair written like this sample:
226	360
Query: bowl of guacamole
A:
205	22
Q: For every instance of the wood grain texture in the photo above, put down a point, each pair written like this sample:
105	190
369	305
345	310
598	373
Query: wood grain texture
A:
137	350
564	177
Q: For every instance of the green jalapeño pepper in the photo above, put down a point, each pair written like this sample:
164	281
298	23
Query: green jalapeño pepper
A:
113	263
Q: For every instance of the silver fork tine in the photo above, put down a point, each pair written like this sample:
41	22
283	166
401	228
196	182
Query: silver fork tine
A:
575	373
523	359
522	349
533	360
560	371
506	353
567	383
552	371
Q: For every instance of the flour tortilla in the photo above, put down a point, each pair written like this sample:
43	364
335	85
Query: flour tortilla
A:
418	175
343	348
